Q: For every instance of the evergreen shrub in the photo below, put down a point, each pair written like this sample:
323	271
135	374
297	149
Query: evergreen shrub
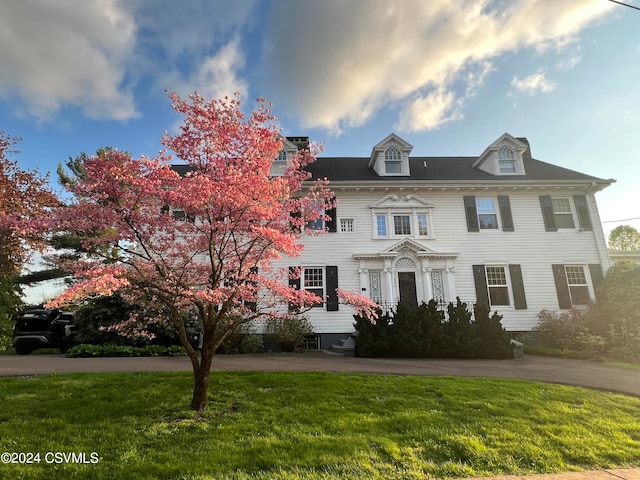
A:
426	331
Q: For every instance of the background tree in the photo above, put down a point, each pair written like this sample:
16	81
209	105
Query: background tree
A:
64	246
624	238
201	244
24	200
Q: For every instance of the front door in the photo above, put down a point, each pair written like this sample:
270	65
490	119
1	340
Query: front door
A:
407	288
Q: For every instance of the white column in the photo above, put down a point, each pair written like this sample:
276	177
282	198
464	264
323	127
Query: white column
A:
426	283
389	293
451	284
364	281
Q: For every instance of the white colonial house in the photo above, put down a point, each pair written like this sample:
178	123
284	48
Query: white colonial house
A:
504	228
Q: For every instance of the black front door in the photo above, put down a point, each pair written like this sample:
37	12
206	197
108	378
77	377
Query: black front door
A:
407	287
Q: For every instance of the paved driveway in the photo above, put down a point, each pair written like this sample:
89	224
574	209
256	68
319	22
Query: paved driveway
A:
553	370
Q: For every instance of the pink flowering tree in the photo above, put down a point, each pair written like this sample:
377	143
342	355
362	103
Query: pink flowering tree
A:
198	240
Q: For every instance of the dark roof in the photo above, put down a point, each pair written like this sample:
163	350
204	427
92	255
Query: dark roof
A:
453	169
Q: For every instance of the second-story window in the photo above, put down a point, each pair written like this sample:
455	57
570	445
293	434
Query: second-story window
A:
487	215
562	213
402	224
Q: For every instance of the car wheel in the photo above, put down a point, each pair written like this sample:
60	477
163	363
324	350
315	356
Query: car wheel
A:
22	350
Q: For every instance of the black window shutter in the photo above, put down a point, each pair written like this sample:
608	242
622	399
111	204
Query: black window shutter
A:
480	279
295	283
253	306
562	288
295	217
582	208
517	285
547	213
595	269
505	213
471	213
332	285
332	222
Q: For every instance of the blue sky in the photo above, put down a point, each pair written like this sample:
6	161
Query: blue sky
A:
449	77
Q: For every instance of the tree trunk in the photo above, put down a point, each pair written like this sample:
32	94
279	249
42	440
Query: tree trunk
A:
200	389
201	372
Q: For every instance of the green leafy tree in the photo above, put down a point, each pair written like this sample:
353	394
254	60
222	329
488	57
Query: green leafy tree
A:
9	304
624	238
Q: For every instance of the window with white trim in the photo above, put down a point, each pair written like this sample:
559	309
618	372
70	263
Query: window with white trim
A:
402	224
347	225
578	286
318	223
562	212
423	225
487	216
313	281
279	164
381	226
506	160
392	160
498	285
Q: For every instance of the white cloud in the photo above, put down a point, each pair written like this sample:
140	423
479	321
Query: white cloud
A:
430	112
335	63
569	63
533	84
58	52
92	53
215	77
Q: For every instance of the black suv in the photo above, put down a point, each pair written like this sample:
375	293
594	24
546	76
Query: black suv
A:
40	328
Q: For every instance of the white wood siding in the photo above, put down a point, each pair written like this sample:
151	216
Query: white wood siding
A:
530	246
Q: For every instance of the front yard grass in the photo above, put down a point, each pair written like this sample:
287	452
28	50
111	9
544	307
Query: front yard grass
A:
311	426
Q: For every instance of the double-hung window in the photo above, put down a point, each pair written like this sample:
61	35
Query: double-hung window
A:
578	286
487	216
562	213
402	225
313	281
497	285
320	281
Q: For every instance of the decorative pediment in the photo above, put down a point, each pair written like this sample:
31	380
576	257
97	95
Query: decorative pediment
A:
503	157
401	201
403	247
408	245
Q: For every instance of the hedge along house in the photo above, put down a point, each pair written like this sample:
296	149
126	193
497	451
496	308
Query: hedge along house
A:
503	228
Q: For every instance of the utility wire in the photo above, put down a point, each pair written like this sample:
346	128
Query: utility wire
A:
624	219
625	4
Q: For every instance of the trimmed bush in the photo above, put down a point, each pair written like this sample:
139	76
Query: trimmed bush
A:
289	334
85	350
423	331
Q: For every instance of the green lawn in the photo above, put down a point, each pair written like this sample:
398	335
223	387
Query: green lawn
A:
311	425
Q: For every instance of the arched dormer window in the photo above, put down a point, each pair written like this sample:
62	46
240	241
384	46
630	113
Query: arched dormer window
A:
279	164
506	160
393	160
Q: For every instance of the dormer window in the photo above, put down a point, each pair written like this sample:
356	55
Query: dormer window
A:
506	160
390	157
279	164
504	156
392	160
